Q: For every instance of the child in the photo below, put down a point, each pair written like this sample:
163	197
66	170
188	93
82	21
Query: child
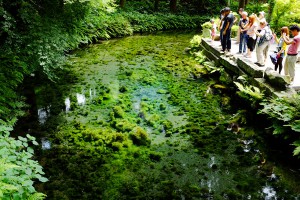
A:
213	30
290	62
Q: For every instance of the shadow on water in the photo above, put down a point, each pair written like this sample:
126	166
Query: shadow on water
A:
128	121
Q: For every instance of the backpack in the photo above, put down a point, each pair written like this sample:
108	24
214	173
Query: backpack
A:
266	37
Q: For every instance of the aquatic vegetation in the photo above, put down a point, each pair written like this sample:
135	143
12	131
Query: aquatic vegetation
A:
159	135
140	136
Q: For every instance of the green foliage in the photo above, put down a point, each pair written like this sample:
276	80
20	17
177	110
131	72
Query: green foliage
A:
195	41
159	21
285	115
256	7
285	13
248	91
17	168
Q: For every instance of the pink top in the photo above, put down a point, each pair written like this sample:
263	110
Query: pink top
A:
214	29
293	49
251	31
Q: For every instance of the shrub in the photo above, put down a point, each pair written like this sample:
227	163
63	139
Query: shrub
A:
17	168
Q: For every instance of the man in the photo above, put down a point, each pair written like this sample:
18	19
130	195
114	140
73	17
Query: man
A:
243	33
221	24
226	30
241	10
291	58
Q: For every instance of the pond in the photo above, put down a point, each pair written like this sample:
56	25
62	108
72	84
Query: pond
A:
130	121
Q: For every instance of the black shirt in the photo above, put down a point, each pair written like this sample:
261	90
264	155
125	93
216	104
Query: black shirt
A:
229	18
242	23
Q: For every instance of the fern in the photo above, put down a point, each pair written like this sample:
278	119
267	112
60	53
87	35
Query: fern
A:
250	91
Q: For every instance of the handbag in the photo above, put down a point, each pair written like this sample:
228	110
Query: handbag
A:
274	57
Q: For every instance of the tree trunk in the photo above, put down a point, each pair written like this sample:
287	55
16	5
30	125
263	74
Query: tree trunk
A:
242	3
122	3
173	4
156	3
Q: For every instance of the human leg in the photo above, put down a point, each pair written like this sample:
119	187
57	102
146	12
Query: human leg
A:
286	65
228	37
279	64
241	43
245	38
291	67
224	41
266	51
250	44
238	38
221	37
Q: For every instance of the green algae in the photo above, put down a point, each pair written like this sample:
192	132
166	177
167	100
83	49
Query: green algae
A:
140	126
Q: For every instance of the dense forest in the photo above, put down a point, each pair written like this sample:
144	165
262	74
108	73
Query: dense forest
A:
37	37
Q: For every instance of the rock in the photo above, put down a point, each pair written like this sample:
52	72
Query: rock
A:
230	66
250	68
275	79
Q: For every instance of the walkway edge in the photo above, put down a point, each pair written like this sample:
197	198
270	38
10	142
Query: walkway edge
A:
265	78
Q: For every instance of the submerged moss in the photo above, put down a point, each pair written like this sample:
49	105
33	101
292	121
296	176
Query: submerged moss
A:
114	146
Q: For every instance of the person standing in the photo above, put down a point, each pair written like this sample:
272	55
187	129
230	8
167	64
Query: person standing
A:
226	30
213	29
281	48
263	43
251	36
241	10
291	58
222	15
243	33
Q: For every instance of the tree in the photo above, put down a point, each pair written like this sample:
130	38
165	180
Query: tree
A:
156	3
122	3
243	3
173	5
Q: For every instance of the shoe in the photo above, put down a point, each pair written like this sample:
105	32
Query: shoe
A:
239	53
260	65
256	63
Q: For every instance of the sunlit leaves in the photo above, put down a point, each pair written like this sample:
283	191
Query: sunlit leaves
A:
17	169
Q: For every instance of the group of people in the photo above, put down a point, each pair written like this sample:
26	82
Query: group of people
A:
254	33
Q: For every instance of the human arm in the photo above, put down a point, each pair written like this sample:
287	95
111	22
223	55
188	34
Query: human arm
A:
219	27
227	25
287	40
275	37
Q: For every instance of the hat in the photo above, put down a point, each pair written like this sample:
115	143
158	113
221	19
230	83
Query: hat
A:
226	9
262	13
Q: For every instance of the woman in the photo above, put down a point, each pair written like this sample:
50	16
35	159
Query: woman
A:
251	29
263	43
281	48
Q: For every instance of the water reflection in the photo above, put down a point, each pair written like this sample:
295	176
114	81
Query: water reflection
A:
46	145
92	93
43	114
68	104
80	99
269	193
